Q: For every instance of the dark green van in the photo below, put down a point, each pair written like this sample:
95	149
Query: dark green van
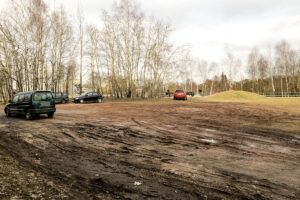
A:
60	97
31	104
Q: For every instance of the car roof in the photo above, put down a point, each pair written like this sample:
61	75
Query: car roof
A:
29	92
41	91
32	91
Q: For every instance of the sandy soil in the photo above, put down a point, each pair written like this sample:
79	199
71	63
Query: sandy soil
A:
152	150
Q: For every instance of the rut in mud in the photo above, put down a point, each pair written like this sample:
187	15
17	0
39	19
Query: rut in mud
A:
151	150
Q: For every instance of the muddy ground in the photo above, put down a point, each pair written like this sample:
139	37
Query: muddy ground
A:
152	150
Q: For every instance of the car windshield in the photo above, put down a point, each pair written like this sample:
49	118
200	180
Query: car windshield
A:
15	100
179	91
58	94
42	96
84	94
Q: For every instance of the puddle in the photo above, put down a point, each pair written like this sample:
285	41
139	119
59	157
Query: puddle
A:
282	150
169	126
210	130
209	141
68	122
3	125
252	145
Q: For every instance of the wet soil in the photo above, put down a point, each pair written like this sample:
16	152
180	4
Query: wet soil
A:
152	150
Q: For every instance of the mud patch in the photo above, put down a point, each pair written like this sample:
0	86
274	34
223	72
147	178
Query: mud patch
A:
189	153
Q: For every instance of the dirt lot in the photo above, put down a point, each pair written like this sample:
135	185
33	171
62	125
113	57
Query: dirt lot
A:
152	150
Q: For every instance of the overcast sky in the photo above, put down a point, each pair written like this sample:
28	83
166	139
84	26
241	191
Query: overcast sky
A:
209	25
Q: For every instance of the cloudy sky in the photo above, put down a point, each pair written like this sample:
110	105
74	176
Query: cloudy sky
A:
209	25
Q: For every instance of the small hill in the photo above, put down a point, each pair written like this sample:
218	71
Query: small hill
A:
236	96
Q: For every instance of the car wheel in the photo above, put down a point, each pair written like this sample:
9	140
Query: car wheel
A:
185	98
81	101
100	100
28	116
63	102
7	113
50	115
174	98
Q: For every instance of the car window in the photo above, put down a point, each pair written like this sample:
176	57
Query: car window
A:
65	94
38	96
49	96
27	97
90	94
95	94
56	94
42	96
15	100
179	91
21	98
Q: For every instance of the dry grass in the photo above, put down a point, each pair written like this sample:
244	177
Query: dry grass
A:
236	96
288	103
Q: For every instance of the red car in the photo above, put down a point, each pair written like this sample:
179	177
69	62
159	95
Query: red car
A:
180	94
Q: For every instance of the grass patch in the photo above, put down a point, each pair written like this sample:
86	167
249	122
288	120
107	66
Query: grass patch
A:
236	96
289	103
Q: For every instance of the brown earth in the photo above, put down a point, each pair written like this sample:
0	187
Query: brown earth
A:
152	150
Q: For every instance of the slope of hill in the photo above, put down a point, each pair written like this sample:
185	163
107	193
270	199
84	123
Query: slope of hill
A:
236	96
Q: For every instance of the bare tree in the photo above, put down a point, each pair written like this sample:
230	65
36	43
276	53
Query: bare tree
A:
253	68
212	68
262	69
80	24
271	68
282	51
230	63
203	69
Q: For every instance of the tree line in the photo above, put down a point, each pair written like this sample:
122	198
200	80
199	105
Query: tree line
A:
274	70
37	49
126	55
44	49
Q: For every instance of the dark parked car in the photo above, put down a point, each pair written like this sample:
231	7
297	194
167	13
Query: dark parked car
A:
88	97
190	93
31	104
60	97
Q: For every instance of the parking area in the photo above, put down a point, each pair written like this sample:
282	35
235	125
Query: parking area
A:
154	149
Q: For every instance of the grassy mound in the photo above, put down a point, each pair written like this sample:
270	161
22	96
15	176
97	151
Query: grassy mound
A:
236	96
